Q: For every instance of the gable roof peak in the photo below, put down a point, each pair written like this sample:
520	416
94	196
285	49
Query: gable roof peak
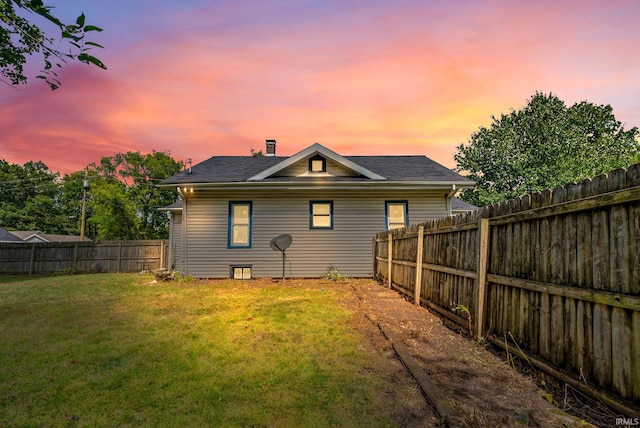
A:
310	151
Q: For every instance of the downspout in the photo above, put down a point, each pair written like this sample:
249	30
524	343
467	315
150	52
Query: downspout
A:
448	197
184	251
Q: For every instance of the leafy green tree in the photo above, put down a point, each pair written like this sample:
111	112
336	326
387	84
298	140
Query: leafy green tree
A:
30	199
20	39
542	146
124	199
112	213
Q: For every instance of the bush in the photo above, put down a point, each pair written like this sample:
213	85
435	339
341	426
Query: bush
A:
333	274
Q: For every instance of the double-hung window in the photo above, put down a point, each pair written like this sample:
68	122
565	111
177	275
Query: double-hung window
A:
239	225
397	214
321	214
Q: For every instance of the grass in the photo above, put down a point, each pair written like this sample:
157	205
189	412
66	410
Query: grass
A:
103	350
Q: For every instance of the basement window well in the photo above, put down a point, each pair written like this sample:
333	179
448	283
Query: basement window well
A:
241	272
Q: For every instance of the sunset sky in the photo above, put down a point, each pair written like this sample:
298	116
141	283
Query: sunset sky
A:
203	78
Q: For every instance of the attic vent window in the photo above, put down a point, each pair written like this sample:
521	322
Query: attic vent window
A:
317	164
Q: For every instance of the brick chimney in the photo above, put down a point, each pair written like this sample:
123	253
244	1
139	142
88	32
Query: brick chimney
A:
271	148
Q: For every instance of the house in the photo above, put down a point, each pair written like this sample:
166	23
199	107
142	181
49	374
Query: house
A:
458	206
6	236
38	236
331	206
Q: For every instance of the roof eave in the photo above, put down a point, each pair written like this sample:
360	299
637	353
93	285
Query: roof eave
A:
433	184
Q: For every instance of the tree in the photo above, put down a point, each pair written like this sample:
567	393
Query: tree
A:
20	39
30	199
124	198
542	146
112	213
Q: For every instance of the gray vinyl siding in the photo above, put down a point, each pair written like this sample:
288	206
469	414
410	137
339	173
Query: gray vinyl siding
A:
302	167
357	218
176	255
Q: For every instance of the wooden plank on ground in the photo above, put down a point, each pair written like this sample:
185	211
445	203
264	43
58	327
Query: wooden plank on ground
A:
429	389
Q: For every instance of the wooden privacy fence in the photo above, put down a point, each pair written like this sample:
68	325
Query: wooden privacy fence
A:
82	257
553	276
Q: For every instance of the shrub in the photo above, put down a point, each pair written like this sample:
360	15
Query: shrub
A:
333	274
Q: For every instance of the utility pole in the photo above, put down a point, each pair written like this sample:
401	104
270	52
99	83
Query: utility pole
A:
85	186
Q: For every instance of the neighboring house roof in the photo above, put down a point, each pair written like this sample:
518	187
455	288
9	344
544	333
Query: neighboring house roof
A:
460	205
6	236
38	236
383	170
176	206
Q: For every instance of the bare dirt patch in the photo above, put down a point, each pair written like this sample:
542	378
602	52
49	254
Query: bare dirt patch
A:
481	387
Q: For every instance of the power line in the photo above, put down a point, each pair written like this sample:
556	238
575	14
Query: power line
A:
20	180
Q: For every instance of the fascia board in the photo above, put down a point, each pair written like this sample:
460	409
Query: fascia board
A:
293	185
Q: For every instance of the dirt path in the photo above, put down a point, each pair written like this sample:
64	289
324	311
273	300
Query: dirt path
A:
479	387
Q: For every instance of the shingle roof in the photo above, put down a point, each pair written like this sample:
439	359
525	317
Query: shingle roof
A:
36	234
6	236
230	169
173	207
407	168
460	205
225	169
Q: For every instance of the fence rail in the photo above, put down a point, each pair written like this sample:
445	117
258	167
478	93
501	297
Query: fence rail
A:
554	274
82	257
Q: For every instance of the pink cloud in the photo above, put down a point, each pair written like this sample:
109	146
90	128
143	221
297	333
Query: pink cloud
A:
408	78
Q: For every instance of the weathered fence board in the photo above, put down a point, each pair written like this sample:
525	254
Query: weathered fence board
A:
561	277
82	257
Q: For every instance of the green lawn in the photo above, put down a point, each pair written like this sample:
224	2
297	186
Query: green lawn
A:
104	350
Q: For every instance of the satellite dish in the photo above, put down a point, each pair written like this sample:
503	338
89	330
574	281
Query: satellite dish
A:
281	243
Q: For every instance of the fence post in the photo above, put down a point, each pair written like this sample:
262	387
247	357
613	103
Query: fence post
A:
374	254
161	255
389	257
483	262
418	291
